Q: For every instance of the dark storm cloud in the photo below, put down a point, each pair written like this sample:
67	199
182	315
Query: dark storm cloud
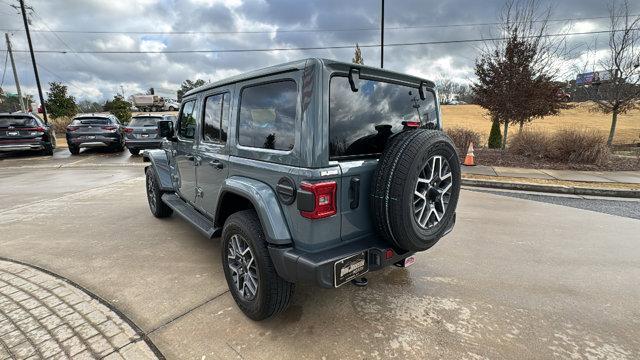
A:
98	76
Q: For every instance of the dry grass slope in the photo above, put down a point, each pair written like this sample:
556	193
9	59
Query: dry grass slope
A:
475	118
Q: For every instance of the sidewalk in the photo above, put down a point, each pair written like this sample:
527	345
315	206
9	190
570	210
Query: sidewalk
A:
629	177
625	184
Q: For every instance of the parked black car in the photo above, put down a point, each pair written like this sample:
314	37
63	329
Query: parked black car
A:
25	131
142	132
95	130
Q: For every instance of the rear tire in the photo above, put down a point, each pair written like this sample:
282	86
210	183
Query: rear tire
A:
154	196
272	293
134	151
74	149
48	149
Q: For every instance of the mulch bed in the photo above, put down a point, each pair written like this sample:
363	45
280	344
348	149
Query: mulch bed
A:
494	157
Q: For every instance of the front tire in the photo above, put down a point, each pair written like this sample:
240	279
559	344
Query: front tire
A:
253	281
154	196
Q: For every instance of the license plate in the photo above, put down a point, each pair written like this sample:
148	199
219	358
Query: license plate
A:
408	261
350	268
12	133
89	137
144	135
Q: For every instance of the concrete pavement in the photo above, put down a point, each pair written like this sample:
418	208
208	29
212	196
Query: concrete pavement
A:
515	279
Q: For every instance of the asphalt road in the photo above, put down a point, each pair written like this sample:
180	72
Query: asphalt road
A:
517	278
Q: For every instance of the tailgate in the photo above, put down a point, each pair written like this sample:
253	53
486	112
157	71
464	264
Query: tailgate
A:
355	187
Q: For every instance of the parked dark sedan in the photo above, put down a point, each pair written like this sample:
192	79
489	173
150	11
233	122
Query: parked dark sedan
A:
142	132
25	131
95	130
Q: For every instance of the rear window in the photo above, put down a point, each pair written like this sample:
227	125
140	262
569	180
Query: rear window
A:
144	121
91	121
18	122
360	123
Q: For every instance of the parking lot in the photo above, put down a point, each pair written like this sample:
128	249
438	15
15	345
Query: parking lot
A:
521	276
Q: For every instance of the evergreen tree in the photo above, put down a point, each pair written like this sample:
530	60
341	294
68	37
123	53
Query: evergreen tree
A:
357	57
495	136
59	103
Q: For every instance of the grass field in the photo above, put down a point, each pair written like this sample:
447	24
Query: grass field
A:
475	118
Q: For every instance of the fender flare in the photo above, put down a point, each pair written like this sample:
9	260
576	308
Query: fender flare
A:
162	169
266	204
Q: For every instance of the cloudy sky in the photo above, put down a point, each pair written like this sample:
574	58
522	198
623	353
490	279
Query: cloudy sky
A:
150	25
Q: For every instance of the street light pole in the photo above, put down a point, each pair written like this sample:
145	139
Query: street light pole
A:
15	74
33	60
382	37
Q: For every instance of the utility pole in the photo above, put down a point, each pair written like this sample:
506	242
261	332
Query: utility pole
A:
33	60
15	73
382	37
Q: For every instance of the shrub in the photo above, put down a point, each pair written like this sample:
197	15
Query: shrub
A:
564	146
495	136
463	137
579	146
532	144
59	124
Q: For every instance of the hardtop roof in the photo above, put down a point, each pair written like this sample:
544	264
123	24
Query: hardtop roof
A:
299	65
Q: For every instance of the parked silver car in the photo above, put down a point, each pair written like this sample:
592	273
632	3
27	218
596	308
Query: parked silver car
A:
142	132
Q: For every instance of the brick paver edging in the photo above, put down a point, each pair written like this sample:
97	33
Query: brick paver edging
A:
45	316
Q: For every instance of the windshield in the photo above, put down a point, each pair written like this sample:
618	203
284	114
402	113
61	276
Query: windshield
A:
360	123
91	121
15	121
144	121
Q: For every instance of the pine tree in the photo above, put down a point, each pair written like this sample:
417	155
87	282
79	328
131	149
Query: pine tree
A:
357	57
58	103
495	136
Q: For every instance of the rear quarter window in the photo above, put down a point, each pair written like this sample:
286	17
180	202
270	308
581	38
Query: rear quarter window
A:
267	115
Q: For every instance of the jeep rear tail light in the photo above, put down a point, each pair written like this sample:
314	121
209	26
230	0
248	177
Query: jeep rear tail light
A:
321	202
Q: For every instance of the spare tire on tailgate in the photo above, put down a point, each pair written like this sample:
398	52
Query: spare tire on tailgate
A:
415	189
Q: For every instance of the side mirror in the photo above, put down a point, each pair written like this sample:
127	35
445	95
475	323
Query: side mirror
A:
354	79
165	129
423	91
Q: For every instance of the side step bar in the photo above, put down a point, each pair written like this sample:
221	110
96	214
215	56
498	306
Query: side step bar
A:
201	222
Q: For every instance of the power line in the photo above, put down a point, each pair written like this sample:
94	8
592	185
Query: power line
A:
304	48
432	26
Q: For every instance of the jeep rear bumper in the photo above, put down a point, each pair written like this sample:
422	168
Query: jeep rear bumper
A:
298	266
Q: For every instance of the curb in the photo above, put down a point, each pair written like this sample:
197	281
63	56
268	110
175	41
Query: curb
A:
556	189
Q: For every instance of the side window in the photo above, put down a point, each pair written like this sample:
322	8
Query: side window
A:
267	115
187	121
216	111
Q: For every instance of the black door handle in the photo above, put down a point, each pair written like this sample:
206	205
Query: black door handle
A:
216	163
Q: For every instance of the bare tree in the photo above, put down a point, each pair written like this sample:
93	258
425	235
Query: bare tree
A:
622	92
516	70
446	89
450	90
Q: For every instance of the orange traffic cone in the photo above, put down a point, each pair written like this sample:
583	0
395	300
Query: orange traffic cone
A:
469	160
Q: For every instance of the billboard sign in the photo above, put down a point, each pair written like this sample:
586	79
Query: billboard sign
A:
594	77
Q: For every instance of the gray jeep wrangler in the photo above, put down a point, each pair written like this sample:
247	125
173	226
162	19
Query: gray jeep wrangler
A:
311	171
